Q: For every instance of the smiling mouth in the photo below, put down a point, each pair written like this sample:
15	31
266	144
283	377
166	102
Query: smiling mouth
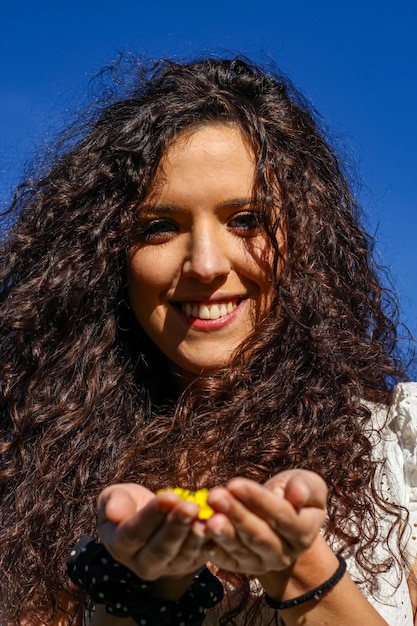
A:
208	311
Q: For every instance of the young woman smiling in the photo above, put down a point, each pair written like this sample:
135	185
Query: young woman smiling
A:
188	299
201	258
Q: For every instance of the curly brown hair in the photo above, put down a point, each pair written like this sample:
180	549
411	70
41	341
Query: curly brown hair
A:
87	400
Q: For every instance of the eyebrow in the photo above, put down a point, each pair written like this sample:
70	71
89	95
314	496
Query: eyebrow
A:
236	202
169	208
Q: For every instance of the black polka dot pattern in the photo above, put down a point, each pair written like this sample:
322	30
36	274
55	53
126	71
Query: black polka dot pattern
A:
108	582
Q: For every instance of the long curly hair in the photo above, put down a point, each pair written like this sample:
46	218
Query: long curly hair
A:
87	399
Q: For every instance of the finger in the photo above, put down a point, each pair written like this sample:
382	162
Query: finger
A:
176	527
271	502
302	488
254	538
196	538
124	528
255	550
234	561
172	546
262	503
223	542
295	529
190	554
116	503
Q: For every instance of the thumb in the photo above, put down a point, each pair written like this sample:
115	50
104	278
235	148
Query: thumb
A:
302	488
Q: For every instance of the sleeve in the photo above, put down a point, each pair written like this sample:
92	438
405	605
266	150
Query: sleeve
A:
404	413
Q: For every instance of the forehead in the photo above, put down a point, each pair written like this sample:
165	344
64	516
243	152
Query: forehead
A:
208	135
217	154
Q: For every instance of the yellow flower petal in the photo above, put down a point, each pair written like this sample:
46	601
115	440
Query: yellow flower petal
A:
199	497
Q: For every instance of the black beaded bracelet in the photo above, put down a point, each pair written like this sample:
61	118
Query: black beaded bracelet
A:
314	594
92	568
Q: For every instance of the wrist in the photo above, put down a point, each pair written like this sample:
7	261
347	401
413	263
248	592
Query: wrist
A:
310	570
172	587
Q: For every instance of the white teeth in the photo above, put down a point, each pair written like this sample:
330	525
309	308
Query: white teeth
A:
208	311
215	312
204	313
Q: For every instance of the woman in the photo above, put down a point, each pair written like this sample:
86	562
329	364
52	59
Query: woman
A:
188	299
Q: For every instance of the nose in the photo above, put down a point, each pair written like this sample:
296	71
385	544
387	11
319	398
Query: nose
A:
208	255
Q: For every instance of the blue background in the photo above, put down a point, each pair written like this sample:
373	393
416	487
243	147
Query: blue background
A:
355	61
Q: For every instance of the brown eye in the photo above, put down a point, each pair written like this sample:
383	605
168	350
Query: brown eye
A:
247	222
157	229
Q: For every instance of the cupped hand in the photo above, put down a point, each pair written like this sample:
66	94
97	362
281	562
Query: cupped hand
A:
261	528
154	536
255	529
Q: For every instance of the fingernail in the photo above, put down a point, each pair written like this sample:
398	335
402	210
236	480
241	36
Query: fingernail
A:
221	505
218	534
199	529
184	518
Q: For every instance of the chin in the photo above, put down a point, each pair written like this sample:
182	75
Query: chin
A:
193	369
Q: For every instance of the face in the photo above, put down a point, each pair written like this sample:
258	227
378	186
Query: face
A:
198	278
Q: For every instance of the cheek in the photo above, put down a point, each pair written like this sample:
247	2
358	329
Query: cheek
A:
144	283
257	261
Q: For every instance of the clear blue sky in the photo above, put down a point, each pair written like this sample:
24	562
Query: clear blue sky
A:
355	60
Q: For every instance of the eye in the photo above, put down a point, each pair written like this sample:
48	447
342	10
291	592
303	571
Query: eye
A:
157	231
246	222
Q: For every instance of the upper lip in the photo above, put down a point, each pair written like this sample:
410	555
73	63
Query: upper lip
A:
205	299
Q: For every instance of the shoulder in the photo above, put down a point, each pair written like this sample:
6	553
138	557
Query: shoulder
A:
394	438
397	422
403	413
403	420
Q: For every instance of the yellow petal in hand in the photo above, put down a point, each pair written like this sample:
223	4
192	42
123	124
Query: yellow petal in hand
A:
199	497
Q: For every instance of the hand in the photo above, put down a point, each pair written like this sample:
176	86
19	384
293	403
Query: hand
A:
263	528
154	536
